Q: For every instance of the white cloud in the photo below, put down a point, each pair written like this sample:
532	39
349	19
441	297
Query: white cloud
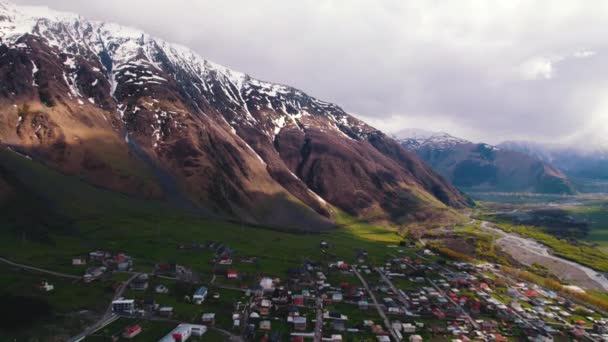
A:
464	65
537	68
583	54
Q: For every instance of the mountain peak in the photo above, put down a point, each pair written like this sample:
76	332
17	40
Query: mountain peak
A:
414	138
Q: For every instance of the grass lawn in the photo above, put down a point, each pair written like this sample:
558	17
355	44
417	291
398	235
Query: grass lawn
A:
151	331
40	313
188	312
406	284
597	213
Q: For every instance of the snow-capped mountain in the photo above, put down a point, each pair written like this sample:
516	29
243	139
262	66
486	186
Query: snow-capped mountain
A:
414	138
483	167
136	114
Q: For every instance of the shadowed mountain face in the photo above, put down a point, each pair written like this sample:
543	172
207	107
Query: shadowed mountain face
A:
589	161
131	113
482	167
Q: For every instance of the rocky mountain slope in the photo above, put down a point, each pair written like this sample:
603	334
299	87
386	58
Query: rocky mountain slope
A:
132	113
482	167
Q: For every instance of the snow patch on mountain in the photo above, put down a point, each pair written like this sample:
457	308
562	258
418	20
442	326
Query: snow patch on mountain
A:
414	138
130	57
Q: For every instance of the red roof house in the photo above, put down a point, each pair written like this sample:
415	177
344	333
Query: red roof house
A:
131	331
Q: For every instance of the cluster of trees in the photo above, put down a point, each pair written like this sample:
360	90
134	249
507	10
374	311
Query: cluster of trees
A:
453	254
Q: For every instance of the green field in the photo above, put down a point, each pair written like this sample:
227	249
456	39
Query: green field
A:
61	312
88	218
80	218
597	214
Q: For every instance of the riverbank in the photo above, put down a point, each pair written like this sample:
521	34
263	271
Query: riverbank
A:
528	252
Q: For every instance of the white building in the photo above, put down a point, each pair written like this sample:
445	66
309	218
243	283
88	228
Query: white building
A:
123	306
200	295
183	332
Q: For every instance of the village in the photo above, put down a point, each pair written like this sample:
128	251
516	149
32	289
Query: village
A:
409	294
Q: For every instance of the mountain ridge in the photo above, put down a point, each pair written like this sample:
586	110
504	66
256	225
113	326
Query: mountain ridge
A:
484	167
588	162
124	109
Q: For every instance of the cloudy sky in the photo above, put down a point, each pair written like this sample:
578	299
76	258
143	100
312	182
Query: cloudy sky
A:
483	70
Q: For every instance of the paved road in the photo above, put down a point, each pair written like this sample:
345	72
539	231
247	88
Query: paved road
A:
319	324
232	337
108	315
462	310
387	322
402	298
40	270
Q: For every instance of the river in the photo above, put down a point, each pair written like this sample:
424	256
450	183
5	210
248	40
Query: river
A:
529	251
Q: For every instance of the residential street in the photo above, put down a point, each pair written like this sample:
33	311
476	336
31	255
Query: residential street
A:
319	324
108	315
387	322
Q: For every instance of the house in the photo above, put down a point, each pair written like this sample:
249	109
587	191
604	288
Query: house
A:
140	283
225	260
232	274
265	325
123	306
120	257
183	332
334	315
236	320
254	315
415	338
149	303
338	325
267	284
265	305
337	297
408	328
162	289
99	255
165	311
78	262
299	323
199	295
45	286
342	265
124	266
93	273
209	318
131	331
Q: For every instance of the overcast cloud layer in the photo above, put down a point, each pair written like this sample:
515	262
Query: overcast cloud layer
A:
483	70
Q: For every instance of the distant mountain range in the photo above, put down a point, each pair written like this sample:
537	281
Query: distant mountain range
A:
589	162
483	167
127	112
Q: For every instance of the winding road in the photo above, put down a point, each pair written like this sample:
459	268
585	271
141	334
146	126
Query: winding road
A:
39	270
